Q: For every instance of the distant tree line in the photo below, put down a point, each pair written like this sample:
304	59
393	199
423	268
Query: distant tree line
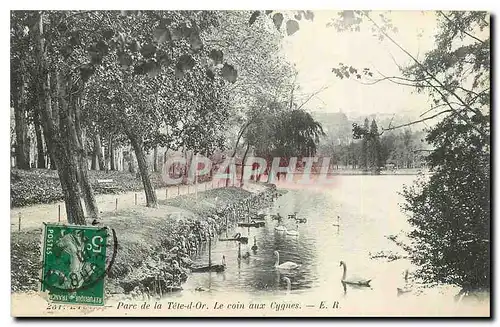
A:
369	150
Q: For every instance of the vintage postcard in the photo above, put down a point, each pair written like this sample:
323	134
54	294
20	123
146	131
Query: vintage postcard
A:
265	163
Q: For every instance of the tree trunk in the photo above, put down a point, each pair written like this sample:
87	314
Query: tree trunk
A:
240	134
149	190
106	157
111	154
69	163
22	140
57	137
131	163
243	164
93	164
155	159
51	160
79	143
39	139
98	151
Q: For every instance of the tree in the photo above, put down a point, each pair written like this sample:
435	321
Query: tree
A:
280	132
253	46
387	146
374	148
296	134
365	145
450	213
59	137
71	47
36	118
140	93
19	61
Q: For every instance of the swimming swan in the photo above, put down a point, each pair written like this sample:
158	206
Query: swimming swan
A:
406	288
288	283
353	281
280	228
293	232
289	265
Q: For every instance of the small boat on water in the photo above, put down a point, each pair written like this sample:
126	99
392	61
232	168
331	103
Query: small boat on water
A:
172	288
210	267
213	268
237	237
253	223
260	216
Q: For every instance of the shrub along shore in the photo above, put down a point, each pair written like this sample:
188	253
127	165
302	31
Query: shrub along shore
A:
155	245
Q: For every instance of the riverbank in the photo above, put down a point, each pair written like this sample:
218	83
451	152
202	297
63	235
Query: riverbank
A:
155	245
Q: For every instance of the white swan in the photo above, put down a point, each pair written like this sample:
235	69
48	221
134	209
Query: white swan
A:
289	265
288	283
293	232
280	228
406	288
353	280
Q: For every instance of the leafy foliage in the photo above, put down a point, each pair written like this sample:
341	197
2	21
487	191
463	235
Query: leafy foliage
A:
344	71
277	132
451	212
292	25
254	51
164	105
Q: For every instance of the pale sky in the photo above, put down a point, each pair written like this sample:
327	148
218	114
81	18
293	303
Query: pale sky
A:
316	49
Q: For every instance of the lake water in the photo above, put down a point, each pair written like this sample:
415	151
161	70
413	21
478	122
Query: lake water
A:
368	207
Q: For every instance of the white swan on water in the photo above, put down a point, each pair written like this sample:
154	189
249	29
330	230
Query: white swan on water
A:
293	232
288	283
353	280
280	228
406	287
289	265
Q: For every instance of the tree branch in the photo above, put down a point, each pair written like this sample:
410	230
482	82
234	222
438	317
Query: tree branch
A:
465	32
390	78
464	118
324	87
416	121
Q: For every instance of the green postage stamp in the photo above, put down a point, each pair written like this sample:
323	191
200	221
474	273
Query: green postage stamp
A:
74	263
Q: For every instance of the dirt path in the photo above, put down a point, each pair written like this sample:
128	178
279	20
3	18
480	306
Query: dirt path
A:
33	216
